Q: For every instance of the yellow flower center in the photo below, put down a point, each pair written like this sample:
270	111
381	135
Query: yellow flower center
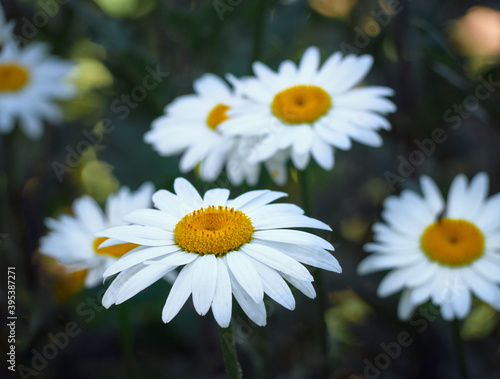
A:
301	104
12	77
452	242
213	230
115	251
217	115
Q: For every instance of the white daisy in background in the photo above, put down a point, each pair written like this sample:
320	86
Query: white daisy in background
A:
71	238
6	28
439	252
30	83
191	126
310	110
239	247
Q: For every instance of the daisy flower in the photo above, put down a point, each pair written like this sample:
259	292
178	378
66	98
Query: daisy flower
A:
241	247
30	82
71	238
438	251
310	109
191	126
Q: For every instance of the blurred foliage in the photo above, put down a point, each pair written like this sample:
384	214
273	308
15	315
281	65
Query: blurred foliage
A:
431	53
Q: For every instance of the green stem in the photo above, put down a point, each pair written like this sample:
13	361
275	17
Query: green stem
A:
233	369
304	182
126	341
260	23
459	343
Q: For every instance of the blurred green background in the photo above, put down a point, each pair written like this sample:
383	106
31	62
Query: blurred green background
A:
433	54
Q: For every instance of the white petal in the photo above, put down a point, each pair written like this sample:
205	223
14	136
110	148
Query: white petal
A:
152	217
179	293
216	196
141	235
222	303
292	237
204	282
245	274
303	286
405	307
310	256
277	260
275	286
187	193
138	255
256	311
287	220
457	197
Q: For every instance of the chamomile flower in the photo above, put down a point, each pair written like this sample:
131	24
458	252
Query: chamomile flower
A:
241	247
438	251
71	238
191	126
30	83
5	28
310	110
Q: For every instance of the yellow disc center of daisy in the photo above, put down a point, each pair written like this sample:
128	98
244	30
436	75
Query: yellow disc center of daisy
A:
115	251
452	242
217	115
301	104
12	77
213	230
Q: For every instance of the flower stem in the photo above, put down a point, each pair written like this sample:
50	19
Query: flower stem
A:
304	183
233	369
126	341
459	343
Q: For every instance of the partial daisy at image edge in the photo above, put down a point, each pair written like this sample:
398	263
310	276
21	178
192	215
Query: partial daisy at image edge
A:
32	82
440	251
241	247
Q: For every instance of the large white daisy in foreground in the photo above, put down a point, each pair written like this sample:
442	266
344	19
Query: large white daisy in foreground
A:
71	238
191	126
30	83
439	252
239	247
310	109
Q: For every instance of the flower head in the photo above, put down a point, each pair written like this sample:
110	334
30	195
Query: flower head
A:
439	251
5	28
71	238
308	109
191	126
30	82
241	247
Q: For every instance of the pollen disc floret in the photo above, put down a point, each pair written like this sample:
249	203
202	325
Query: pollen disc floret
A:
213	230
217	115
453	242
115	251
301	104
13	77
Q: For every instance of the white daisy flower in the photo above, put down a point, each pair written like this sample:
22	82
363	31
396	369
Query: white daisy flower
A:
191	126
71	238
439	252
6	28
30	82
239	247
310	109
